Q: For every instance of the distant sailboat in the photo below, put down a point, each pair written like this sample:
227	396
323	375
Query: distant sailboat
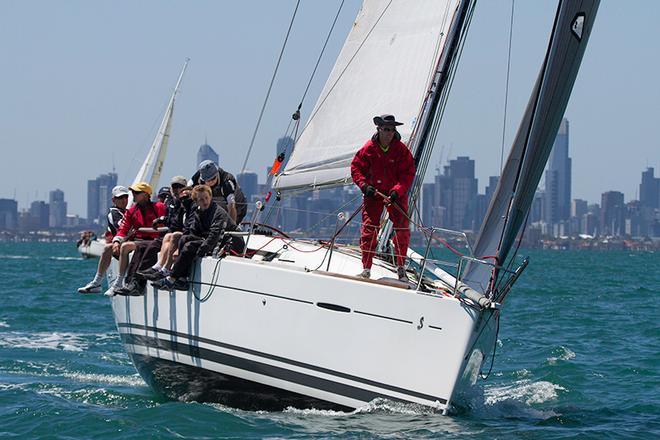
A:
284	325
151	167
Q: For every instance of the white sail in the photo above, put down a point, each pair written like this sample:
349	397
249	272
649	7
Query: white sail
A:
153	163
385	66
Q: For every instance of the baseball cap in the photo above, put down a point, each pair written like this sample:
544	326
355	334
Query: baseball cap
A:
119	191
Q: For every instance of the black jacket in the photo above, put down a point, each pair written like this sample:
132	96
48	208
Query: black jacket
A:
227	185
178	211
209	224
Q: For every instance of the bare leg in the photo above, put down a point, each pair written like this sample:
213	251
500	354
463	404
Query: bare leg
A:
126	248
104	261
169	261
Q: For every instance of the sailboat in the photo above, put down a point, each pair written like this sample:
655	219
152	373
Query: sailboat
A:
287	323
151	167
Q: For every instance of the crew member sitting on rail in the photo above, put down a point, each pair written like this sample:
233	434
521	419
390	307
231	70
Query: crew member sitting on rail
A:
384	170
145	254
115	215
178	211
225	189
138	217
205	230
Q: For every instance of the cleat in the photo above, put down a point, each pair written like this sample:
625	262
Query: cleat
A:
366	274
90	287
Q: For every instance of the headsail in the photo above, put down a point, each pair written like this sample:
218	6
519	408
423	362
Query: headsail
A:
533	142
410	35
153	163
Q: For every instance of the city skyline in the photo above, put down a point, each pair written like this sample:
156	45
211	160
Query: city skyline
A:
90	82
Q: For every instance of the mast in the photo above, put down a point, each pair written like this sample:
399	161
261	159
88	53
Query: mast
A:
153	164
421	142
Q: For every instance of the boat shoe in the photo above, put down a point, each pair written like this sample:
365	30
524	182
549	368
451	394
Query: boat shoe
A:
90	287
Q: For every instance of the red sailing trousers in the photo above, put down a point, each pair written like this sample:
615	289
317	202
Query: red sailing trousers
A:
373	208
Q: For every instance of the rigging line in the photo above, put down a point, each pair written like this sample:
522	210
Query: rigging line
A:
506	93
321	54
270	87
346	67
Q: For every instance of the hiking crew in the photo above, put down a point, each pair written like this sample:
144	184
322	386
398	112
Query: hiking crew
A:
132	230
201	235
115	215
224	187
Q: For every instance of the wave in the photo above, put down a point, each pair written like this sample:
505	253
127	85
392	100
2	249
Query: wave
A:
562	354
524	391
3	324
51	340
15	257
111	379
67	258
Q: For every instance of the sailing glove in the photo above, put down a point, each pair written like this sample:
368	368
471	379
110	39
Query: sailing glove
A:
393	195
368	190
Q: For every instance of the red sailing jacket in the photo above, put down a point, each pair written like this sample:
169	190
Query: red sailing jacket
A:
394	170
133	220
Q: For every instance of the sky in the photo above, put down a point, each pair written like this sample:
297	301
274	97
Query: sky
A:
85	84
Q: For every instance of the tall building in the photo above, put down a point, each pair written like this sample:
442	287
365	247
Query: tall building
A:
558	178
39	215
99	197
57	214
249	183
464	189
8	215
206	152
612	211
649	189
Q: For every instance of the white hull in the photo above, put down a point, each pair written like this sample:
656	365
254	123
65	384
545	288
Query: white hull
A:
272	334
92	250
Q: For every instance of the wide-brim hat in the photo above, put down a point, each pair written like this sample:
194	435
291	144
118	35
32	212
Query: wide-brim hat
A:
141	187
386	120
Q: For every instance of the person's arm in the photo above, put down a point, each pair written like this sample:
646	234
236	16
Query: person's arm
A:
405	172
229	193
219	224
359	167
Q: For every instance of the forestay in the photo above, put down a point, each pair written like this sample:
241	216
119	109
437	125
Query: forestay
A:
385	66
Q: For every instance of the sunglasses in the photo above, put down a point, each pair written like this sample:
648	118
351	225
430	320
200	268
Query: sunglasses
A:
137	192
177	186
386	129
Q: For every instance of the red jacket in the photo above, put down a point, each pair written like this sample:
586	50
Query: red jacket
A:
134	219
394	170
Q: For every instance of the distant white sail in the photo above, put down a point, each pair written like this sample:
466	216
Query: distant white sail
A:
153	163
385	66
536	134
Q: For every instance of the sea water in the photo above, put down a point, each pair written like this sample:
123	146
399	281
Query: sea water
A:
578	356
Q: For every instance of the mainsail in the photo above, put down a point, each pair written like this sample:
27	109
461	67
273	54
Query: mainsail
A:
385	66
153	163
533	142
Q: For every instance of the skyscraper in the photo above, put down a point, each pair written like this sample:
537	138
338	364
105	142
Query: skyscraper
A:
57	213
612	210
8	214
249	183
649	189
558	178
206	152
99	196
464	188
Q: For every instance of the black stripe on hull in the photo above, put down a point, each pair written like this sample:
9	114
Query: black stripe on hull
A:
188	383
195	349
254	367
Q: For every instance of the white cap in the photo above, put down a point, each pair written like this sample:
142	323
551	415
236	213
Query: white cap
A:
119	191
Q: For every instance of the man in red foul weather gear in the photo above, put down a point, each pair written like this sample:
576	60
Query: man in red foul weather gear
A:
384	170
